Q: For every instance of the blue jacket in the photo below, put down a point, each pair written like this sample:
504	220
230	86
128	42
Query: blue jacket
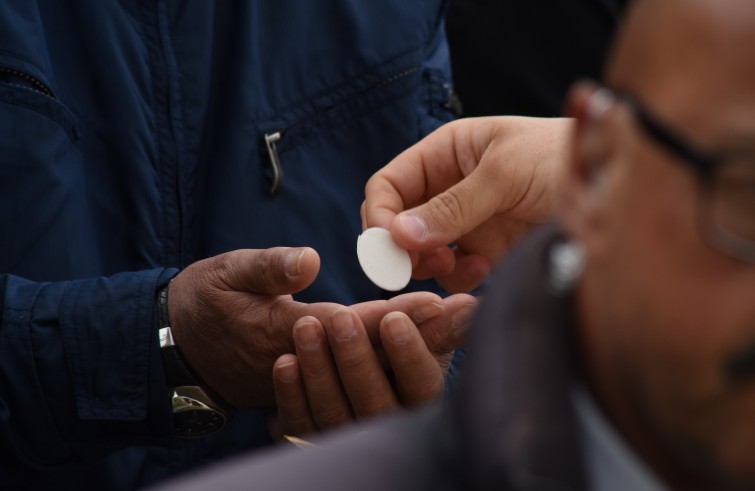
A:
137	137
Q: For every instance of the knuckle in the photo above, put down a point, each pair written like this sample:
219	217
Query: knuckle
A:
372	183
440	340
353	361
220	271
222	264
332	416
449	209
264	268
317	371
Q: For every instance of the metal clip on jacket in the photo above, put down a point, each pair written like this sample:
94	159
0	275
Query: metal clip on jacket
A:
275	163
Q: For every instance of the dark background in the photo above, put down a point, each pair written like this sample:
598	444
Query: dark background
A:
521	56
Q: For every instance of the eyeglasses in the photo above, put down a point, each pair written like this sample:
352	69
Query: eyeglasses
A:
727	198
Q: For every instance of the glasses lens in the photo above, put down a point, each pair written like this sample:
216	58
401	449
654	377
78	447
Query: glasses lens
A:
728	212
732	209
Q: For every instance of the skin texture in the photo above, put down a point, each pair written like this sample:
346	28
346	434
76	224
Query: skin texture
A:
662	312
233	316
480	182
336	376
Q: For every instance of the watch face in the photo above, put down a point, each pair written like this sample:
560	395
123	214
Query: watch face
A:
194	418
193	422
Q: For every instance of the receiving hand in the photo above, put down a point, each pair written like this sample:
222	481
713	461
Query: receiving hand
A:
233	315
337	375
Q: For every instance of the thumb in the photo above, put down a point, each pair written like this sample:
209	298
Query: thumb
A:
274	271
449	215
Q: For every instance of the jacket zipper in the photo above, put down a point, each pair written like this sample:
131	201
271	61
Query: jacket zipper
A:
33	83
271	139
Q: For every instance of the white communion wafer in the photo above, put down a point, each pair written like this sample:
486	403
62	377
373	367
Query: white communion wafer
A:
383	261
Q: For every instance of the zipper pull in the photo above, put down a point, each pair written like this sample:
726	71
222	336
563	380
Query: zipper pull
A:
275	162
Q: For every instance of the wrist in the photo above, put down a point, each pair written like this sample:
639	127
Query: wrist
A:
197	411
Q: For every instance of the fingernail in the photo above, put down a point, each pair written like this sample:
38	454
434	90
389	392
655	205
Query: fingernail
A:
397	327
287	372
427	312
462	319
342	324
414	225
306	335
293	262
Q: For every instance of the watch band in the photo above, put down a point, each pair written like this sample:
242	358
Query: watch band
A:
178	373
197	411
162	306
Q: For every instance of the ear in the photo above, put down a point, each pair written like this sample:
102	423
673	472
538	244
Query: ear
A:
584	190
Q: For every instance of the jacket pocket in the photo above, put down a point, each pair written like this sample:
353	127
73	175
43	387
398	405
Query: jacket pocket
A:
337	108
42	182
23	89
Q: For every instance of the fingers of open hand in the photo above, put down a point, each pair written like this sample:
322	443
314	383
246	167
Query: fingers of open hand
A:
328	403
340	377
419	306
445	332
294	416
362	377
418	377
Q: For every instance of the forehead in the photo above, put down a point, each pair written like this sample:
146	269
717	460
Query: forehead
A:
693	63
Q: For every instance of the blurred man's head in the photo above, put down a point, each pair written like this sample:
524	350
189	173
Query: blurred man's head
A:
662	196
